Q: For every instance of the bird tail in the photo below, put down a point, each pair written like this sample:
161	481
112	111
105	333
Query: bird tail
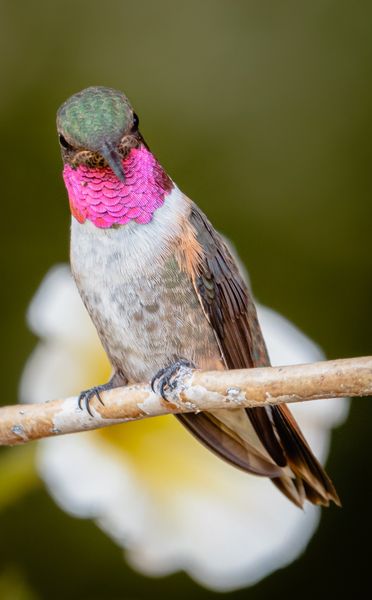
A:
268	443
310	480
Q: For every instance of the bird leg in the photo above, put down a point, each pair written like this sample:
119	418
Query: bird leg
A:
165	380
86	396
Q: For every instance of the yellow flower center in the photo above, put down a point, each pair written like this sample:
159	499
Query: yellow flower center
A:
163	455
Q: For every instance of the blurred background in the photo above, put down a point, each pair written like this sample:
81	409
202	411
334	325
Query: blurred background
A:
261	112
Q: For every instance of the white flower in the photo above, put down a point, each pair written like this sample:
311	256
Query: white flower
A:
149	485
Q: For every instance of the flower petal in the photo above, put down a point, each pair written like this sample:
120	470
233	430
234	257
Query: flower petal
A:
57	312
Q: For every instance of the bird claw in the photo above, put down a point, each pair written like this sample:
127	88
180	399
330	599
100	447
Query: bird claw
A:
165	380
86	396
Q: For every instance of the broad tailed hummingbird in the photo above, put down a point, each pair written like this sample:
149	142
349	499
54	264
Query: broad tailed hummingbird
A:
163	289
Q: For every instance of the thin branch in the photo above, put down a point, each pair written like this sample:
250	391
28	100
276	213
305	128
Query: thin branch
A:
194	391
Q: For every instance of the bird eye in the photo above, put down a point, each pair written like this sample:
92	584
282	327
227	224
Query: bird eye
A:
64	142
135	122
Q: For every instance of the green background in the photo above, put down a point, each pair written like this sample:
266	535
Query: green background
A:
261	111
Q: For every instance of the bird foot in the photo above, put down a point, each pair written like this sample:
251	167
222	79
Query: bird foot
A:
165	381
86	396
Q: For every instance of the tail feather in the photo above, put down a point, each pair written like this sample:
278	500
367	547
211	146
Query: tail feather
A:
250	447
292	488
228	444
318	487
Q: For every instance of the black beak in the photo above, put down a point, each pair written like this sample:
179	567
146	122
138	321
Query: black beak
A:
113	159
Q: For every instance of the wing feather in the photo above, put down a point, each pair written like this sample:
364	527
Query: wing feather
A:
230	310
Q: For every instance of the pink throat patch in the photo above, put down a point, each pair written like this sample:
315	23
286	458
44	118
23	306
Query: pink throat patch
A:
99	196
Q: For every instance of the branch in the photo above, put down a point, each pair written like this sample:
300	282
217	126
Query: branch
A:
194	391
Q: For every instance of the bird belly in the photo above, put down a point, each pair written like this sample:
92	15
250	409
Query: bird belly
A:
147	314
146	323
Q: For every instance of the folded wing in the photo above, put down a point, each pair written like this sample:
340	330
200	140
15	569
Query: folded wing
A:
265	441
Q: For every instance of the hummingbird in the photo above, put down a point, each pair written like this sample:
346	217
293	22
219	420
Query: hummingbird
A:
163	290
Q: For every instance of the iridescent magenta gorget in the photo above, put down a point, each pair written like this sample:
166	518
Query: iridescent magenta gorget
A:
98	195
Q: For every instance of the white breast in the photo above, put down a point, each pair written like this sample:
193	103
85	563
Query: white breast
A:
137	244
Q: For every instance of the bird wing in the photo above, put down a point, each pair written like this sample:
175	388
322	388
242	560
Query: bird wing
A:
265	441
